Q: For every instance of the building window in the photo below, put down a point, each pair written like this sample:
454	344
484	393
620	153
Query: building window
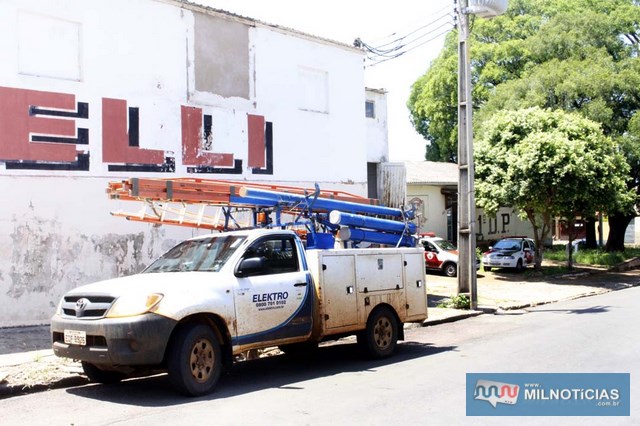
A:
313	92
370	109
49	47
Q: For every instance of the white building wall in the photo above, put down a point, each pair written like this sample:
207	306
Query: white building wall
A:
55	229
506	223
377	128
430	203
433	216
314	93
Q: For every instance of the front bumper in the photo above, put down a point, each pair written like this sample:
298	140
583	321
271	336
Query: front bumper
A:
130	341
499	262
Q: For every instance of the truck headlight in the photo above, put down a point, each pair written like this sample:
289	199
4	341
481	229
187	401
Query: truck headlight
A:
129	305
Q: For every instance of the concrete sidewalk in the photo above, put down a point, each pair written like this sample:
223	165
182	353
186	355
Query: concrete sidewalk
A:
27	363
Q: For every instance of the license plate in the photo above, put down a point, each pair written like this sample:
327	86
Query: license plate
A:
75	337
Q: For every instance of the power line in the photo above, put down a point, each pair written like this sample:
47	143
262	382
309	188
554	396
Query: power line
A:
378	62
395	32
401	45
415	31
385	53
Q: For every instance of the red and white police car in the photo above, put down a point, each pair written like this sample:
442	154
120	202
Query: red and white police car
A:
440	255
512	252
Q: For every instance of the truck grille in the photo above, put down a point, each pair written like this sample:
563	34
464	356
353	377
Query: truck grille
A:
86	307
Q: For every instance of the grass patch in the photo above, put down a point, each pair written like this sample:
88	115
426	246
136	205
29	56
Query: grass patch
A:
460	301
547	270
592	256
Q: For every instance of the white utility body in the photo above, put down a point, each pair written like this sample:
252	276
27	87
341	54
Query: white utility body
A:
214	297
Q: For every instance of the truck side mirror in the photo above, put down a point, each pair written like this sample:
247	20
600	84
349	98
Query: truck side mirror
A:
250	266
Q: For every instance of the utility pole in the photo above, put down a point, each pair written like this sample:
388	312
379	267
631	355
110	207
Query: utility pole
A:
467	279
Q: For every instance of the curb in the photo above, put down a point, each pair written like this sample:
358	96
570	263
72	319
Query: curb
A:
452	318
7	391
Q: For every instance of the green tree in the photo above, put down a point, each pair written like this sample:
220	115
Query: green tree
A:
548	164
574	55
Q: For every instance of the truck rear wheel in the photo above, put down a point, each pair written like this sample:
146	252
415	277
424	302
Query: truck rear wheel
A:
194	360
97	375
380	337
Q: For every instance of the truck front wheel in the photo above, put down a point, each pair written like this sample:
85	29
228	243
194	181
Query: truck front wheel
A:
380	337
194	360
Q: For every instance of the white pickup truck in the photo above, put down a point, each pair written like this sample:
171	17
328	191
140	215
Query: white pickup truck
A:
213	297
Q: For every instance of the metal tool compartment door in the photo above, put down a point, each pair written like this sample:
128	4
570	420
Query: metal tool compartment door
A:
378	272
415	284
338	289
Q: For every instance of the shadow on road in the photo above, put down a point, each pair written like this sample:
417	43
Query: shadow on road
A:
280	371
590	310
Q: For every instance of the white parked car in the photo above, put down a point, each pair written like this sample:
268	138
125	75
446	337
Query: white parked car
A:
513	252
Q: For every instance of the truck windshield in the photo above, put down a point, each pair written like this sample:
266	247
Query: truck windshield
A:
206	254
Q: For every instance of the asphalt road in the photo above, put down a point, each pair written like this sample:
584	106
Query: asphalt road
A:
423	384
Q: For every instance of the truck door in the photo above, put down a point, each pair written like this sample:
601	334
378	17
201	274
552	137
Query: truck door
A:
273	294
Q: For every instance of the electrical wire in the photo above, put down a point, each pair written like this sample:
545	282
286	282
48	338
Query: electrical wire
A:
378	62
390	52
395	32
414	31
401	45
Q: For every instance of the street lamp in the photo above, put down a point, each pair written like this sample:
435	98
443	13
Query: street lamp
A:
467	280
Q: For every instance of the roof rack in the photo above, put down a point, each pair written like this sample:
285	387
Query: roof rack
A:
226	205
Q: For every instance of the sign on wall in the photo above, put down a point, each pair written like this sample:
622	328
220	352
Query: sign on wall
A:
51	131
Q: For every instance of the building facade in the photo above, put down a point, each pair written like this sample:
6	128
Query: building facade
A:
432	188
92	92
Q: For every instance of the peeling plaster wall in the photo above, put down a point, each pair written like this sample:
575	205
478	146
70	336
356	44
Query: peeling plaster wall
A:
58	234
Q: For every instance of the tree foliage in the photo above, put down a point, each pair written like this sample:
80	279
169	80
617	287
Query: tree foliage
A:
572	55
548	164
